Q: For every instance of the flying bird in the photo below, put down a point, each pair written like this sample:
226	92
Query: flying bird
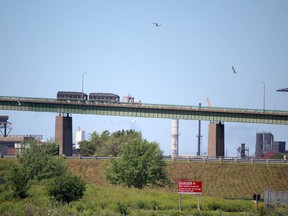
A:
234	71
157	24
110	122
134	121
19	103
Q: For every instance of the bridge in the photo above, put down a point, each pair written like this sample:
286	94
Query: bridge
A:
63	130
212	114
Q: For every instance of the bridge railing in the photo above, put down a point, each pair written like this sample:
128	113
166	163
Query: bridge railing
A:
190	159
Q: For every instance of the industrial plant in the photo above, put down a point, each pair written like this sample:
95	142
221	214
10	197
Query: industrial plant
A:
265	147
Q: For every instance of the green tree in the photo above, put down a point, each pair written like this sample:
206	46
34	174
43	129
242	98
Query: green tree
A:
106	144
41	161
18	178
141	164
87	148
66	188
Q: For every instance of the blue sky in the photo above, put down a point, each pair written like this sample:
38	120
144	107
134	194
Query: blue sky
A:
46	46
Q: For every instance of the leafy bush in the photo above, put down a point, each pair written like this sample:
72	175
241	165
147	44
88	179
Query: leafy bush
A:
123	208
141	164
41	161
66	188
18	179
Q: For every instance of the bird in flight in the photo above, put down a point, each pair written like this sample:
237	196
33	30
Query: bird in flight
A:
234	71
157	24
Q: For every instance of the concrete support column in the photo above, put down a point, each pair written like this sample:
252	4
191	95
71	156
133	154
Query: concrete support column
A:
216	140
63	134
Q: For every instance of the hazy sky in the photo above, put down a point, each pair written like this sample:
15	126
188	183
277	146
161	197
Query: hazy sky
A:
46	46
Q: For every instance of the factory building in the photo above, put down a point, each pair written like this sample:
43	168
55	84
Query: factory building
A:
11	144
265	144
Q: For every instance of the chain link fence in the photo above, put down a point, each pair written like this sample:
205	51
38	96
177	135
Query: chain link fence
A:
276	201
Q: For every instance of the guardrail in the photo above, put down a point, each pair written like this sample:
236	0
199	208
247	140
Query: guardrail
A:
190	159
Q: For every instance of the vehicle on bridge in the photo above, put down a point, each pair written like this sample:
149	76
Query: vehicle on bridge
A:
71	95
83	97
104	97
129	99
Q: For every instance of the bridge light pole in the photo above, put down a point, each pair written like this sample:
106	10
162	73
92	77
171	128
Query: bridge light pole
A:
264	91
83	84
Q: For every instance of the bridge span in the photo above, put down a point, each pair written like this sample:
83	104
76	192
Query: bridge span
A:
145	110
63	126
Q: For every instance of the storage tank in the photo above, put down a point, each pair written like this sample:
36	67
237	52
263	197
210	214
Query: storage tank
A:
4	119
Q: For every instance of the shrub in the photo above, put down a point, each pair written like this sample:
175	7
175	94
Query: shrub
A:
66	188
141	164
40	160
123	208
18	179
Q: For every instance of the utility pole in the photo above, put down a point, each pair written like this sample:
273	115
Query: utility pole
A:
83	84
264	91
199	135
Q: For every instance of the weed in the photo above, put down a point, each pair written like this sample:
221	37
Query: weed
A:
123	208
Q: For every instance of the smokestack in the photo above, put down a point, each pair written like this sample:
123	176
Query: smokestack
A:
175	138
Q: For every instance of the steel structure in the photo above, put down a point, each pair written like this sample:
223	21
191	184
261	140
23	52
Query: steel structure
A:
5	126
212	114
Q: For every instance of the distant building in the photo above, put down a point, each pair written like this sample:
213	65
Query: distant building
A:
279	146
265	143
11	144
80	136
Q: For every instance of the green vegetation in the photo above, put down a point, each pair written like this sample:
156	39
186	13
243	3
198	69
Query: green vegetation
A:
107	144
140	164
42	183
220	181
66	188
38	163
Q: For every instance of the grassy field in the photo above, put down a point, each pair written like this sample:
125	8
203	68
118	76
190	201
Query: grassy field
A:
220	181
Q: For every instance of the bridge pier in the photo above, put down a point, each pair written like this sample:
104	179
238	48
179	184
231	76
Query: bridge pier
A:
216	140
63	134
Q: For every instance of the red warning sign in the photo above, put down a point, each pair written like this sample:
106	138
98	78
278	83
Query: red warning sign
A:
189	187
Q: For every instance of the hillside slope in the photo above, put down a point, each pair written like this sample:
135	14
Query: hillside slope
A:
228	180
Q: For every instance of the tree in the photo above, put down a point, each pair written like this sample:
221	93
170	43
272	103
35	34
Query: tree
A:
18	178
41	161
106	144
66	188
141	164
87	148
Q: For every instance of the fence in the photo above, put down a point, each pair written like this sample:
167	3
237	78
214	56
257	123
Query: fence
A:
276	201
